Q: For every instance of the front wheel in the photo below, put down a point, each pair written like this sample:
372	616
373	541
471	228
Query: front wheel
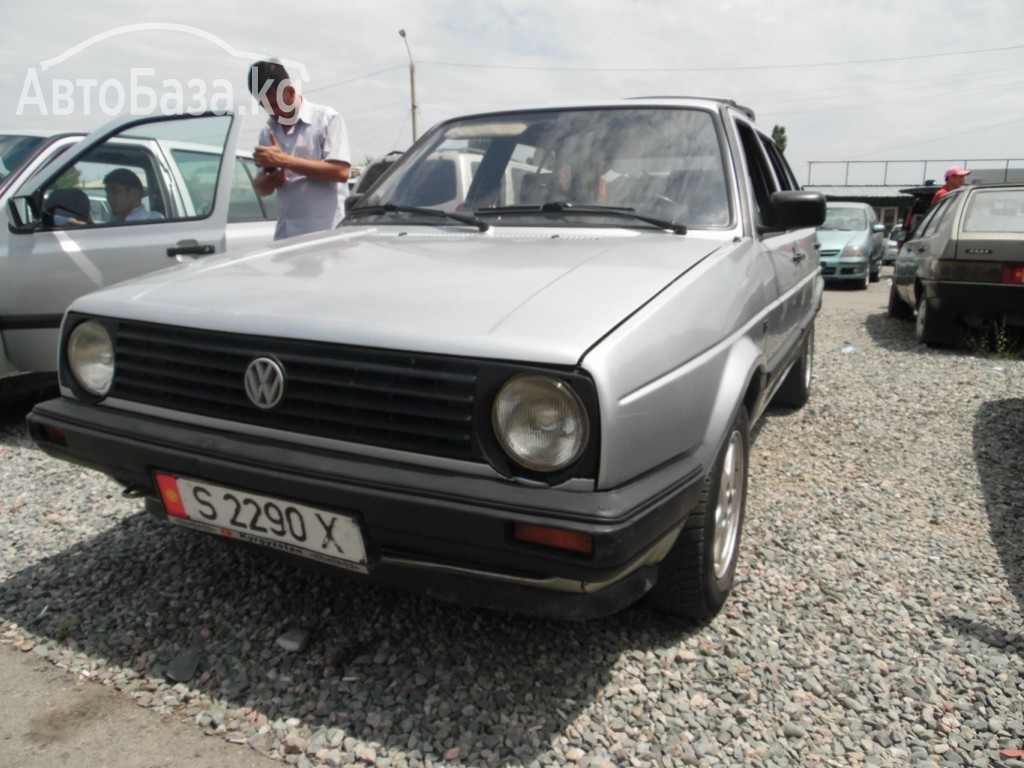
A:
696	576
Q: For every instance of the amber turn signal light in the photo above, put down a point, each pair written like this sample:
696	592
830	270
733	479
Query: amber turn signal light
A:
557	538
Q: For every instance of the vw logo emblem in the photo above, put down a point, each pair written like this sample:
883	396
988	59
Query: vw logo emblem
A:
264	383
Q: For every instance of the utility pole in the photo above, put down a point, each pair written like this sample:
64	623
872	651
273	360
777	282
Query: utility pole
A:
412	84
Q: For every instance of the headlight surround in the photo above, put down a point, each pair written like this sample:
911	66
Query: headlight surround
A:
852	252
540	422
90	356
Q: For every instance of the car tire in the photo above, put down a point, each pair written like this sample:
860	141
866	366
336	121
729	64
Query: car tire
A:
932	327
795	390
876	274
696	576
898	308
863	284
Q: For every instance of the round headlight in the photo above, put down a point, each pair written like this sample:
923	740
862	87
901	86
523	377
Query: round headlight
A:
540	422
91	357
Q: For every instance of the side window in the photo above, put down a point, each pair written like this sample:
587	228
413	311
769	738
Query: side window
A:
761	179
199	174
935	218
133	177
269	203
113	184
246	204
783	173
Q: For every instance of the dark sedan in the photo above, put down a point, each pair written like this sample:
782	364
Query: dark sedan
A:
963	267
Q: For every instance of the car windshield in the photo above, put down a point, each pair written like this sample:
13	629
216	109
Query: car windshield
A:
664	164
15	150
995	210
845	218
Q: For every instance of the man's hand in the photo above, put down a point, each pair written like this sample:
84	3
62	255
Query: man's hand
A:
269	180
274	160
271	157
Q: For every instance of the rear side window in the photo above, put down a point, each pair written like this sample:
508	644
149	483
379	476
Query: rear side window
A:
936	217
246	204
199	170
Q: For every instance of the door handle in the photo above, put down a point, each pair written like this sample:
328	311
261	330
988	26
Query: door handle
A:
799	256
190	248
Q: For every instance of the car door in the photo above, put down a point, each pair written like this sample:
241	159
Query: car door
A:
57	249
920	249
877	237
792	255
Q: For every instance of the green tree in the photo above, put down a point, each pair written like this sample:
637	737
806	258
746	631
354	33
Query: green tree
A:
779	137
70	179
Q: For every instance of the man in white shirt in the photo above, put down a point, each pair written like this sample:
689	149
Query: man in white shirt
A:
303	152
124	193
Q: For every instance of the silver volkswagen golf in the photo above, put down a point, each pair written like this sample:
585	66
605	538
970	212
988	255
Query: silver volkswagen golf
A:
533	392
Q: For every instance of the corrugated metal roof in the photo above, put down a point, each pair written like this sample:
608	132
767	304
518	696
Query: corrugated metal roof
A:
869	190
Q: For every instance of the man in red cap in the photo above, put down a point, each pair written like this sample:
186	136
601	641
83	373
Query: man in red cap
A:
954	180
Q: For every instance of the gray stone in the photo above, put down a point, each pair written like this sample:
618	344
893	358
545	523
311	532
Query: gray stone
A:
182	667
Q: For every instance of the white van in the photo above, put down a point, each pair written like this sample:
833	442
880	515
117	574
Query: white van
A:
61	241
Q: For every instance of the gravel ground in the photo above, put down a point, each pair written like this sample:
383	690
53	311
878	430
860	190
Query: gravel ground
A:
878	617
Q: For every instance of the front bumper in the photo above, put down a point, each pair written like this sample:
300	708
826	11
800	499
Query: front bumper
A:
443	533
844	270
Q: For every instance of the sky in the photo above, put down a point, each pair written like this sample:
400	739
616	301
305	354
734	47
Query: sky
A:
885	83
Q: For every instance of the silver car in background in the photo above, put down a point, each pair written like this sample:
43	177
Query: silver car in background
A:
535	396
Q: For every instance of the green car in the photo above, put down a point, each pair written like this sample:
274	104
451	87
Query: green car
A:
852	244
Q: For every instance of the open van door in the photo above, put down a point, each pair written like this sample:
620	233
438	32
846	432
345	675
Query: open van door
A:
70	232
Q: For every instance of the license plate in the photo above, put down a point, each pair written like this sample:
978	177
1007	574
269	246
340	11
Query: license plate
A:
286	526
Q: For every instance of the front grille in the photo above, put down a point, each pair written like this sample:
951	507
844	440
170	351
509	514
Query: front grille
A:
827	270
405	401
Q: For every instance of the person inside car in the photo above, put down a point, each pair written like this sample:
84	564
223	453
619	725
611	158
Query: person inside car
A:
124	193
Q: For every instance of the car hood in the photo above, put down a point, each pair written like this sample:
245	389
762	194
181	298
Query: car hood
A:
837	239
540	295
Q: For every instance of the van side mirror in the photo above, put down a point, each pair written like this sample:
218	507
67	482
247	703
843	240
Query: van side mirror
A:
23	215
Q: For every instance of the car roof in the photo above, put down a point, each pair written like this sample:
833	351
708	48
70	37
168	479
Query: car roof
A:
703	102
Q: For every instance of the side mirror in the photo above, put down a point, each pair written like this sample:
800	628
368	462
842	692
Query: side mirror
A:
23	215
878	228
797	209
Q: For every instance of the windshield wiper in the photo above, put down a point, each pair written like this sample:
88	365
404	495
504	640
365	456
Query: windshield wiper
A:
463	218
602	210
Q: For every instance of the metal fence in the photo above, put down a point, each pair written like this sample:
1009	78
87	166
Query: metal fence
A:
893	173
